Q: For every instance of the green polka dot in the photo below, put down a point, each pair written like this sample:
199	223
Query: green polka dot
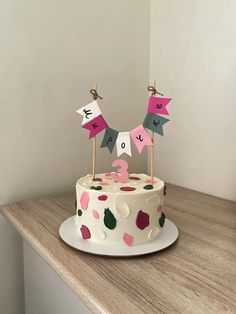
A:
97	188
148	187
162	220
109	219
79	212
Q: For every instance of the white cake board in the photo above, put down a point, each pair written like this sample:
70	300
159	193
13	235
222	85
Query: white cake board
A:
68	234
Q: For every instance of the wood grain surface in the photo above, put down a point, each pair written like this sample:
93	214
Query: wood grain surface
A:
195	275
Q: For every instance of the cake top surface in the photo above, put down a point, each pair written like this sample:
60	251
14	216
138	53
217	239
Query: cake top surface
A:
136	183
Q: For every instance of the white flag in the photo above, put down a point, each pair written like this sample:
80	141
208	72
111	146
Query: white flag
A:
123	144
89	112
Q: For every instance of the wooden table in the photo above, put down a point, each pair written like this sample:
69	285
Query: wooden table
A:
195	275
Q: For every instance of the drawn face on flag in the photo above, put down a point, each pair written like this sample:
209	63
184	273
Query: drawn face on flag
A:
89	112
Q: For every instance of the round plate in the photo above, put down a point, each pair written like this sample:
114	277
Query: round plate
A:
69	234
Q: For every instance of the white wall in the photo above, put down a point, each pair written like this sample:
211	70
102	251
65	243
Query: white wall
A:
51	54
193	58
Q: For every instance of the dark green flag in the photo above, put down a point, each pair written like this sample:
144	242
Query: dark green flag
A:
109	139
154	122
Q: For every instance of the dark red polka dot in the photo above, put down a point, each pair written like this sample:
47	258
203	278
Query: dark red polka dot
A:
127	188
134	178
102	197
85	232
97	179
142	220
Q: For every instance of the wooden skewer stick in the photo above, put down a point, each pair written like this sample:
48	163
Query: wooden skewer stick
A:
152	158
152	149
94	157
94	148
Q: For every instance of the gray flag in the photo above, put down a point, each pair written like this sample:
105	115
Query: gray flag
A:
154	122
109	139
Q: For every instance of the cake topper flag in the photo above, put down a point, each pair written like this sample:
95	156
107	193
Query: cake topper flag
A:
140	138
95	126
123	144
89	112
154	122
92	118
109	139
158	105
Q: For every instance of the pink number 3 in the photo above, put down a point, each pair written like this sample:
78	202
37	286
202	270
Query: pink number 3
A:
123	170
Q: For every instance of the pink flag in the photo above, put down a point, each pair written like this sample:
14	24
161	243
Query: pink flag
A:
140	138
158	105
95	126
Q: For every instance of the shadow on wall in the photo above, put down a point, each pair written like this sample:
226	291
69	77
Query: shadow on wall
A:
11	270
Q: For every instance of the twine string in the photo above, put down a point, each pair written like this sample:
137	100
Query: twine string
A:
95	94
154	91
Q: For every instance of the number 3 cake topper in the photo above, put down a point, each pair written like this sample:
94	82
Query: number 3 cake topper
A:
95	123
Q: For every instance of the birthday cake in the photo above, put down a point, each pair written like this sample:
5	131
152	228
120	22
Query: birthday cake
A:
119	208
119	213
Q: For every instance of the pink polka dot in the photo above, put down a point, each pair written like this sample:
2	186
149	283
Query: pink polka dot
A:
85	232
104	183
84	200
127	188
149	181
128	239
102	197
134	178
97	179
95	214
159	209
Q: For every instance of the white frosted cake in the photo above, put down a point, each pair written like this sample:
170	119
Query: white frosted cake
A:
114	213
